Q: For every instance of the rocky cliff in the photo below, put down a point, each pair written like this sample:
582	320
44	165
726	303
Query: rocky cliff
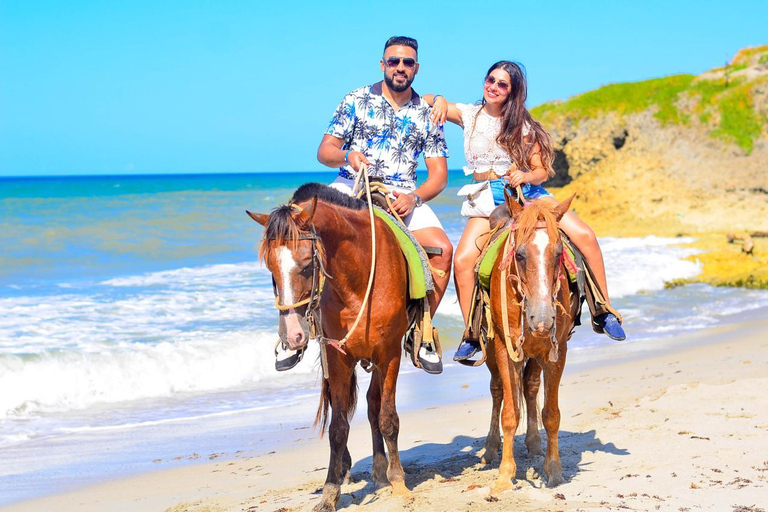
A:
676	155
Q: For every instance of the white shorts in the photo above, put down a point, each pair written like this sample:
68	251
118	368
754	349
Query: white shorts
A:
421	217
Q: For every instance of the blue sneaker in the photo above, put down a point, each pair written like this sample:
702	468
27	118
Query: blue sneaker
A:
610	326
466	349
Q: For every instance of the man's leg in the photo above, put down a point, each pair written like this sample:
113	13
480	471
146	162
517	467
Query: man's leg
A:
436	237
427	354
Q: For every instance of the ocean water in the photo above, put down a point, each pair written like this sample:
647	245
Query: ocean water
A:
135	307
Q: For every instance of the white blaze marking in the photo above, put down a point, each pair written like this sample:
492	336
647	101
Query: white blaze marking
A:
287	264
541	240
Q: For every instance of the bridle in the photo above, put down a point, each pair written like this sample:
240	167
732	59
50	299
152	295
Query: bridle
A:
515	349
313	314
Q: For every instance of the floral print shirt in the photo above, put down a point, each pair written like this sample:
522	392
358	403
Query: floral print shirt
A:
392	141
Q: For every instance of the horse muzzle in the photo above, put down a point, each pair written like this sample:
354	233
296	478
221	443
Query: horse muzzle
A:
293	329
540	318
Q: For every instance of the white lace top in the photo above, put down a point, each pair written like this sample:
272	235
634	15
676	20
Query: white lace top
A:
481	150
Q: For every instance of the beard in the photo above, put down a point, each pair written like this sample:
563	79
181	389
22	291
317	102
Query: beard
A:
397	87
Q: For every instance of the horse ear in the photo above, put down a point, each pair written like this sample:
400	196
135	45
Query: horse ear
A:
562	208
513	206
305	216
261	218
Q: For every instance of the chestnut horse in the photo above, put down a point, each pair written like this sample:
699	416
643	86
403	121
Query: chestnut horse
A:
529	285
323	232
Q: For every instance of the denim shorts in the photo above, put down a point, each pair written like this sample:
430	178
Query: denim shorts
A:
529	191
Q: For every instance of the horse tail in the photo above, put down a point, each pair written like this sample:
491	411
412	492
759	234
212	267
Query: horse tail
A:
321	418
352	395
520	407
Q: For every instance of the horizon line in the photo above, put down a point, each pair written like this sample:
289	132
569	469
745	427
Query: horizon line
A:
175	174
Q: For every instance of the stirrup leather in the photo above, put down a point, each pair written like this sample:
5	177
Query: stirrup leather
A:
480	326
422	332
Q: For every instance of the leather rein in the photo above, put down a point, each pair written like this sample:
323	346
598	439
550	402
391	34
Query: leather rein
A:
515	349
313	314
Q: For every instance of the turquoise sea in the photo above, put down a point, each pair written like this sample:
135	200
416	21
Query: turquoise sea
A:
137	326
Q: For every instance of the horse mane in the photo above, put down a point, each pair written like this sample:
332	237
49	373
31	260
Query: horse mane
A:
328	194
281	226
529	218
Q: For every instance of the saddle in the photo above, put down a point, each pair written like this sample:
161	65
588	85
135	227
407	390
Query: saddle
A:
420	284
580	277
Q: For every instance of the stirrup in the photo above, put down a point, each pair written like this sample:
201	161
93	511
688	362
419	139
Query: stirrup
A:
289	362
411	339
473	362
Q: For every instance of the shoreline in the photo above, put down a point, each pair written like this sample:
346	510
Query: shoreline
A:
617	417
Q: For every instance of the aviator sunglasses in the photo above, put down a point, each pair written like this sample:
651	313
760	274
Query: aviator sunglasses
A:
393	62
504	86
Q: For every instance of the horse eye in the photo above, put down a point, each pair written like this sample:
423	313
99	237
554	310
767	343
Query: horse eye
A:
520	255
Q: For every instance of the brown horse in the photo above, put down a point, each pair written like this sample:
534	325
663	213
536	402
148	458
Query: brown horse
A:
324	232
541	312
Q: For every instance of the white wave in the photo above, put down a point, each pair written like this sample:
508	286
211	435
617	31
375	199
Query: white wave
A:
73	380
634	265
449	306
219	275
88	321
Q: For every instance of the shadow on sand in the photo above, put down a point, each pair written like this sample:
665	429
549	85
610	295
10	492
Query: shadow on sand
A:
450	460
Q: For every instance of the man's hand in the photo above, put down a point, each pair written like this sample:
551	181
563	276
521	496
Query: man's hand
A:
356	159
404	203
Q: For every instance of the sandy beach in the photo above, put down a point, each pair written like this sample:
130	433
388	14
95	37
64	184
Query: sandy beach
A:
677	427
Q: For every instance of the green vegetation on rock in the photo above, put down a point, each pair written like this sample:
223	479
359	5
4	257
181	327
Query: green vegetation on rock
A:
626	98
739	122
724	105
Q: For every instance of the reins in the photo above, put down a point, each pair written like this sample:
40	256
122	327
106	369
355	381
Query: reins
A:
313	313
515	349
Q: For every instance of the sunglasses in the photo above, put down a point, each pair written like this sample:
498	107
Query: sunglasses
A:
408	62
504	86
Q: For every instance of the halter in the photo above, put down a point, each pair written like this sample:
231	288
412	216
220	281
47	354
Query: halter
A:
516	351
313	314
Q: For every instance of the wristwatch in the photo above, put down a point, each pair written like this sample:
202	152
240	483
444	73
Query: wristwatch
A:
417	197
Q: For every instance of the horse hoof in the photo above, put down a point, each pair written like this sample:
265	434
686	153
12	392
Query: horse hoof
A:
555	480
324	506
488	458
330	498
499	486
399	489
535	451
554	473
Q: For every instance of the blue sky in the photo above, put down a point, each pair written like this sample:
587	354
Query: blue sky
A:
119	87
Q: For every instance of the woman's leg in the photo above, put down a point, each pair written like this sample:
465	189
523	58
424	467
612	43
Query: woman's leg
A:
472	241
584	238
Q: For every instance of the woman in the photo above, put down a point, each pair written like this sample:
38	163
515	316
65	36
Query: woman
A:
504	144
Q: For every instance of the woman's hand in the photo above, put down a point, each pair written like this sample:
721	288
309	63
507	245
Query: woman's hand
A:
439	111
516	177
356	159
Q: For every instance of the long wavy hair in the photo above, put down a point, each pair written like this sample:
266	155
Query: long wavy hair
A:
514	117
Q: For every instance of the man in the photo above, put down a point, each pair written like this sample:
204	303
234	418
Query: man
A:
386	126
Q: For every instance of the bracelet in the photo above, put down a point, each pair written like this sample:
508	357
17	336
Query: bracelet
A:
434	98
346	155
